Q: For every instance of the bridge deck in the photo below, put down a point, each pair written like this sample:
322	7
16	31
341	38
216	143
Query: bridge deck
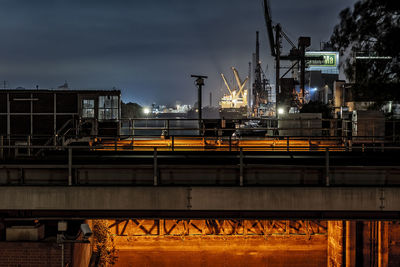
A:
269	202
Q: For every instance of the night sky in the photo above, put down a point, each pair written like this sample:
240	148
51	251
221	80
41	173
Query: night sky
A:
148	49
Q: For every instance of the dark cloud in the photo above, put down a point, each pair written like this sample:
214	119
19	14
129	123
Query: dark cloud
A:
147	48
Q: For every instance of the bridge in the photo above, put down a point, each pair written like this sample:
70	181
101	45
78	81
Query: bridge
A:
323	202
202	202
189	184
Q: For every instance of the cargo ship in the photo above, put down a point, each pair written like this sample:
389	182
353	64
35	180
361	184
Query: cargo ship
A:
234	104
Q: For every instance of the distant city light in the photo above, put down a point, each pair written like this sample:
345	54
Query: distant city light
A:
281	111
146	111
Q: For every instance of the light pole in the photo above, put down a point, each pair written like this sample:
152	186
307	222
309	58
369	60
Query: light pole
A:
199	83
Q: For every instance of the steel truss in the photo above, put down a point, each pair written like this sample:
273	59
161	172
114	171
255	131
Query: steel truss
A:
212	227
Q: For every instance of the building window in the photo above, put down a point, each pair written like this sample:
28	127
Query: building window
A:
88	108
108	107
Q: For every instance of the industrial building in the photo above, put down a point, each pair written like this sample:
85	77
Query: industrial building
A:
51	117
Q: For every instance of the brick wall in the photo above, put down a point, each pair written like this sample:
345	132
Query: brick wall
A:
33	254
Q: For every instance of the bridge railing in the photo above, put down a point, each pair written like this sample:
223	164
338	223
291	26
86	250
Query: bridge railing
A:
362	127
14	147
77	165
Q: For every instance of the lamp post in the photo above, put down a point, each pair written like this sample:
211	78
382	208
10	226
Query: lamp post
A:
199	83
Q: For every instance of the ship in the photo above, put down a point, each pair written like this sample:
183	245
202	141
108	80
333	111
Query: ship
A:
234	104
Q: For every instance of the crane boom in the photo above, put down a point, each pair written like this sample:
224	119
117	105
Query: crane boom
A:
268	21
242	86
226	83
238	81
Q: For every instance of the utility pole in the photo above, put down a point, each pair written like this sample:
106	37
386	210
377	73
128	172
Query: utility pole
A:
199	83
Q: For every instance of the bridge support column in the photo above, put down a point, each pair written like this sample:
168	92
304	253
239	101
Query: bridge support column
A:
372	244
383	241
352	243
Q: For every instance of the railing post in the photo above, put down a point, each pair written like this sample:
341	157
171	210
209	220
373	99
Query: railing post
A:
327	181
230	143
155	177
1	147
287	144
394	131
167	127
69	166
241	167
373	131
172	143
29	145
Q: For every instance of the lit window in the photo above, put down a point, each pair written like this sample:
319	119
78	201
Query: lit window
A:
108	107
88	108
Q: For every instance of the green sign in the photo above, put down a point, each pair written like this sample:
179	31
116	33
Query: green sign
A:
330	59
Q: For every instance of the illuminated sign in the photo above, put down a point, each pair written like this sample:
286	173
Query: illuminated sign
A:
328	64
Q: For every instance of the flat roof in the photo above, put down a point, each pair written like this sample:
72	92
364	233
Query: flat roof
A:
85	91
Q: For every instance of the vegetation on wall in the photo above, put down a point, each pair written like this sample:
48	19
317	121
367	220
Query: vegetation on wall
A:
104	243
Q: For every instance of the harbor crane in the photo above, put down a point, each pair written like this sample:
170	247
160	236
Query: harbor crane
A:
296	55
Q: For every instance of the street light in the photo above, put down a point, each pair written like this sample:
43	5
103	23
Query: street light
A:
146	111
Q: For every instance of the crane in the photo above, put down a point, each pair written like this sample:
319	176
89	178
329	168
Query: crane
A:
297	54
239	82
237	97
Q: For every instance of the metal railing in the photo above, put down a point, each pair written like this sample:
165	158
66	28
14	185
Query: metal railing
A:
242	164
183	134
